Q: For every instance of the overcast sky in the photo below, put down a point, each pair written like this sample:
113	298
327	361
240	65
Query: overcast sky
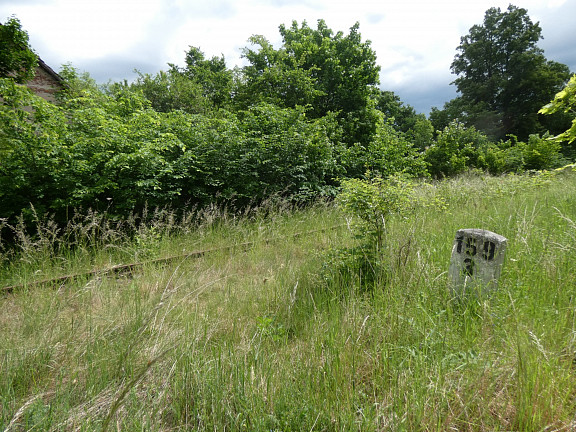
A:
415	40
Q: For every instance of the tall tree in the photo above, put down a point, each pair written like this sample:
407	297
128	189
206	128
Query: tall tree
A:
503	76
404	116
17	60
327	71
201	86
211	74
172	90
415	127
274	76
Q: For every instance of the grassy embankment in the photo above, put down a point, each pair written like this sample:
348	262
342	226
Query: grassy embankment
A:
280	336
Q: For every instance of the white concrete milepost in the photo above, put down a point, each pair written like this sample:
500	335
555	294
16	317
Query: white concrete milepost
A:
477	259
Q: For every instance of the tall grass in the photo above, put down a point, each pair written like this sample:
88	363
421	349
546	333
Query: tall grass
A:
290	335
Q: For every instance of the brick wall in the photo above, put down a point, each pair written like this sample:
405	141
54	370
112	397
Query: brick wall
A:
46	83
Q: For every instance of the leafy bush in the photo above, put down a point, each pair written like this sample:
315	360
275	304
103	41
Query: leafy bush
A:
114	152
506	156
539	153
542	153
456	149
372	201
32	158
388	152
284	152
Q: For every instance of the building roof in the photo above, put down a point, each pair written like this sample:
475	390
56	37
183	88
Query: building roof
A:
50	71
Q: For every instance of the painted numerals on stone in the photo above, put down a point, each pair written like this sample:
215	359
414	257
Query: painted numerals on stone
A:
468	246
477	258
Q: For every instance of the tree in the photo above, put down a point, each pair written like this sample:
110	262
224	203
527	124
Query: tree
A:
211	75
404	116
78	83
421	134
330	72
503	77
415	127
275	77
17	60
169	91
565	102
203	85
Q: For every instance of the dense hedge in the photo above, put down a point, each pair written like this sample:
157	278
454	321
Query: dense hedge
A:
115	152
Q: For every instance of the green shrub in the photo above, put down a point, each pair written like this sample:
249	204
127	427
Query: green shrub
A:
387	152
539	153
542	153
372	201
115	153
456	149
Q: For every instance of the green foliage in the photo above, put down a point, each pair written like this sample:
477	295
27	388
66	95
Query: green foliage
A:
421	134
330	72
403	116
274	77
285	153
538	153
289	123
542	153
456	149
114	152
17	60
372	201
454	110
503	77
369	204
415	127
388	152
268	328
78	83
459	148
203	86
304	116
169	91
564	101
506	156
31	152
212	75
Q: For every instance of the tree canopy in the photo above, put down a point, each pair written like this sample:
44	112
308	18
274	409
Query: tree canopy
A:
203	85
17	60
503	76
296	121
330	72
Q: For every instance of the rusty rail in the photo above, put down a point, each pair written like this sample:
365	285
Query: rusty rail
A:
130	266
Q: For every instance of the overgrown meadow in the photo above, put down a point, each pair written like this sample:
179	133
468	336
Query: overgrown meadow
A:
291	323
267	248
